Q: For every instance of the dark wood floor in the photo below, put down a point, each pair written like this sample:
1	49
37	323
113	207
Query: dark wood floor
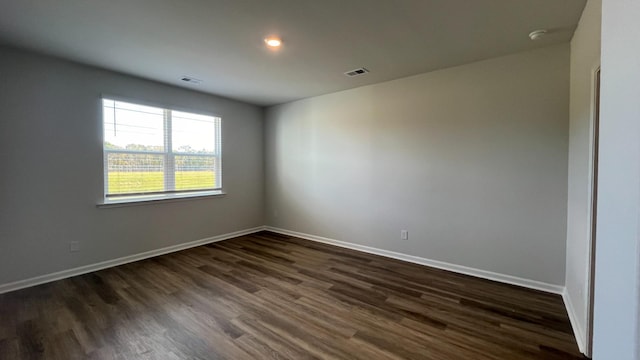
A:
268	296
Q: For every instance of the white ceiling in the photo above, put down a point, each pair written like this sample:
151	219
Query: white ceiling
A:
221	41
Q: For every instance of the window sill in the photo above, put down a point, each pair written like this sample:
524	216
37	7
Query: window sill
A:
157	199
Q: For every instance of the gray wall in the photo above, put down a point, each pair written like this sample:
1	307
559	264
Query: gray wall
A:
585	58
472	160
617	298
51	169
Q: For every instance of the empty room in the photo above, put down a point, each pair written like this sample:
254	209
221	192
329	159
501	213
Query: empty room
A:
357	179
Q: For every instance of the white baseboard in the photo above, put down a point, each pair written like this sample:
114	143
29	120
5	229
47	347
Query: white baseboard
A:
578	332
484	274
21	284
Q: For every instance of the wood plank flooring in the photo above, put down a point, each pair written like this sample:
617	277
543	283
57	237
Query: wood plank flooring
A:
269	296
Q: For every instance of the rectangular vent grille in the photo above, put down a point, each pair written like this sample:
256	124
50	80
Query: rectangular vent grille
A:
356	72
191	80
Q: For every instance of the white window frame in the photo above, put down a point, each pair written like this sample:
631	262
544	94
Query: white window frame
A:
168	163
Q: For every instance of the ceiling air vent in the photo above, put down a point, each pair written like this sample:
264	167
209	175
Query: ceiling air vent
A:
356	72
191	80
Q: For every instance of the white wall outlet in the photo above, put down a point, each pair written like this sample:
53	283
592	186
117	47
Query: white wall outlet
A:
404	234
74	246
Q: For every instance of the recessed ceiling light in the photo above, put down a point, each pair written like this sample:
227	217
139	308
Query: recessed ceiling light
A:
273	42
537	34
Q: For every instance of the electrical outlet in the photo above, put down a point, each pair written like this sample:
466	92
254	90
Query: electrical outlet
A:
404	235
74	246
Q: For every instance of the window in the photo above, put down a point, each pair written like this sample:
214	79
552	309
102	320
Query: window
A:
151	152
